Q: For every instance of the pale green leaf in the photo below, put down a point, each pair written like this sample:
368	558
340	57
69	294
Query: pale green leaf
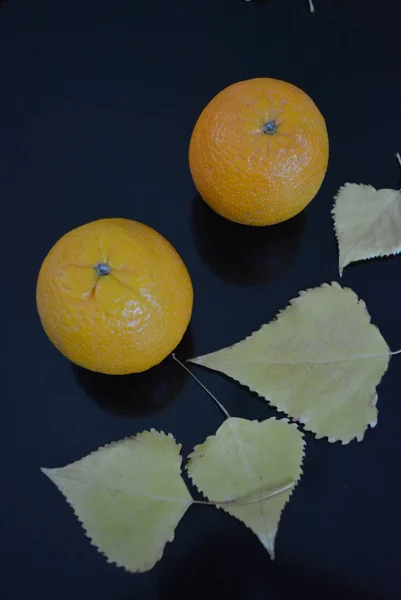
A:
129	497
239	465
319	362
367	223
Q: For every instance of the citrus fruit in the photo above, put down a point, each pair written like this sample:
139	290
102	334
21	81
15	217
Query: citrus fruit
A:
114	296
259	152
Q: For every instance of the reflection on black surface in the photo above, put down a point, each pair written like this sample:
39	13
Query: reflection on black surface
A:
242	254
232	566
141	394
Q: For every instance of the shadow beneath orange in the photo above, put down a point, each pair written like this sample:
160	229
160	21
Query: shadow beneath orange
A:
139	394
242	254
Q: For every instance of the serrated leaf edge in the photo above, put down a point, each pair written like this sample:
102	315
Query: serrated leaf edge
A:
147	565
342	266
220	505
279	407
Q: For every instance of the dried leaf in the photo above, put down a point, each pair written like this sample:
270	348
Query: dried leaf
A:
320	362
129	497
241	463
367	222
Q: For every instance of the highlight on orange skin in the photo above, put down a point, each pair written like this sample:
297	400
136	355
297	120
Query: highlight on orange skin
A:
259	152
114	296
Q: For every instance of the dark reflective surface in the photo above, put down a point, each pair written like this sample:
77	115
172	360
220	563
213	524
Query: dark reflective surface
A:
244	255
98	101
139	394
216	570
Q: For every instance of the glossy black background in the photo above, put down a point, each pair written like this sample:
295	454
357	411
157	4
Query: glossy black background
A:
98	99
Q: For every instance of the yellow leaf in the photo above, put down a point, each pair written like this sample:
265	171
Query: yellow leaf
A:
367	222
319	361
129	497
241	463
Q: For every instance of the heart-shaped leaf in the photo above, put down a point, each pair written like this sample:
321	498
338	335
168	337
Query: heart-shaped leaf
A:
239	465
367	222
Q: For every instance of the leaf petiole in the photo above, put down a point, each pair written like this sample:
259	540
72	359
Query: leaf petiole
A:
219	404
234	502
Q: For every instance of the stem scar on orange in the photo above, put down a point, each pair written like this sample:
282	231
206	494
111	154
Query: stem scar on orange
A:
259	152
114	296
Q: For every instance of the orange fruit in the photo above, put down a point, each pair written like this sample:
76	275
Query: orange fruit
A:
259	152
114	296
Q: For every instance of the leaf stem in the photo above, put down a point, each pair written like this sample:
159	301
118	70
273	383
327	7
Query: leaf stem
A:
398	157
311	7
266	496
396	352
219	404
